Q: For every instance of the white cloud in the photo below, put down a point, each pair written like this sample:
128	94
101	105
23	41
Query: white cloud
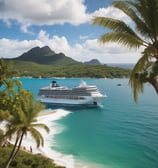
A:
112	13
13	48
58	44
43	12
108	53
90	49
51	12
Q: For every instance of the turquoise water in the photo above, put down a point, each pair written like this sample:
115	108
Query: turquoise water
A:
119	134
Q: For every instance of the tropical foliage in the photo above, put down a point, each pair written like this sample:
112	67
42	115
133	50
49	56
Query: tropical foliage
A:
25	69
144	14
6	88
20	111
26	160
6	71
22	120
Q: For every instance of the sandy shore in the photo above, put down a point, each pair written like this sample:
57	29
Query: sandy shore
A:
47	113
49	117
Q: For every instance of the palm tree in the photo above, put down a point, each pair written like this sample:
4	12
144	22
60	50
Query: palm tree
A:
22	120
144	14
6	71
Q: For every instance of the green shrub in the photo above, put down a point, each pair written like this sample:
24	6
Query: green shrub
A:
26	160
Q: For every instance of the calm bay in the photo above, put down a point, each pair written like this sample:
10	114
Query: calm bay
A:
118	134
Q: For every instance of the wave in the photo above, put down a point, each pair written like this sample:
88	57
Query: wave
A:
68	161
49	117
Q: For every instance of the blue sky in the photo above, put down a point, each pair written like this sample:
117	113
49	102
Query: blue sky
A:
63	25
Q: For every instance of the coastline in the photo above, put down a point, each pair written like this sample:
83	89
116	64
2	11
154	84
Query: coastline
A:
48	117
119	128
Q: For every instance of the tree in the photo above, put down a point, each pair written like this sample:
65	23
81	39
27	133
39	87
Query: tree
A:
6	71
22	120
144	14
19	110
8	88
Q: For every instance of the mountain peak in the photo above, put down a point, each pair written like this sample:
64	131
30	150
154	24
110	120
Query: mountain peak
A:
45	55
43	51
36	53
93	62
46	51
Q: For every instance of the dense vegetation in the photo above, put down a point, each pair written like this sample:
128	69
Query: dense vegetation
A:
93	71
26	160
43	62
19	110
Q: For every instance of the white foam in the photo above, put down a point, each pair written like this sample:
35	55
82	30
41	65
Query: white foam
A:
60	159
64	160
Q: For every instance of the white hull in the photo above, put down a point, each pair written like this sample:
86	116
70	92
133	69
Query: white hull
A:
85	101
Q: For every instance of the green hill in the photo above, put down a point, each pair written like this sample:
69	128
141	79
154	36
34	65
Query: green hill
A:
93	62
43	62
25	68
45	56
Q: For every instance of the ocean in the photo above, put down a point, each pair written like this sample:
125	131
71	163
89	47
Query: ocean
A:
118	134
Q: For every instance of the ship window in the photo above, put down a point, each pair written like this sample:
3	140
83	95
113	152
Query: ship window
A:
82	98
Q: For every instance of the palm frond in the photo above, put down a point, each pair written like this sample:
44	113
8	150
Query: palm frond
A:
125	39
4	115
113	24
10	131
144	14
40	125
36	136
138	74
120	32
149	14
127	8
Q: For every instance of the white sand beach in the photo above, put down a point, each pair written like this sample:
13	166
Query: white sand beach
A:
49	117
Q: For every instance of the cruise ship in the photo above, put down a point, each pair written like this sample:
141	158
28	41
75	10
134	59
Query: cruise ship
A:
82	95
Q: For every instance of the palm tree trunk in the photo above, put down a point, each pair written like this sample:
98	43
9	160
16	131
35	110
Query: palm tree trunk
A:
12	153
19	145
15	151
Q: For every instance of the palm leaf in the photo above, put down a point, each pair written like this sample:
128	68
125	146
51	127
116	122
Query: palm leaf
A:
36	136
40	125
121	32
121	38
143	13
136	83
125	6
113	24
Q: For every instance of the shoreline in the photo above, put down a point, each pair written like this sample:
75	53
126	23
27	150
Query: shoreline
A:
49	117
68	161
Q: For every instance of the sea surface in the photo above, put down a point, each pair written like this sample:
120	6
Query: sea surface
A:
118	134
